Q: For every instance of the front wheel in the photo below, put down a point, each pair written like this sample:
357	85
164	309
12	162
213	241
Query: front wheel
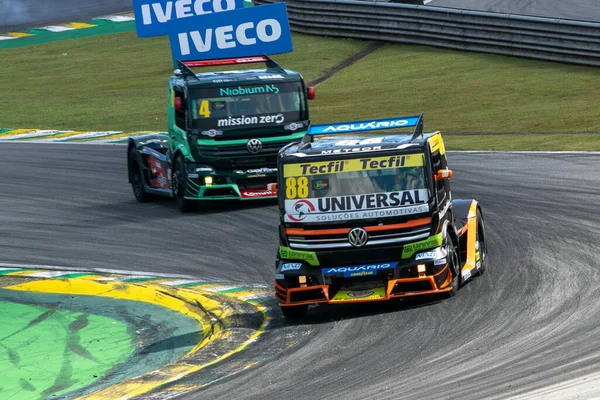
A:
481	245
453	266
179	183
295	312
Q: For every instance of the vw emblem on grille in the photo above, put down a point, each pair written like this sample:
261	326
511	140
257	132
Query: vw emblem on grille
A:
254	146
358	237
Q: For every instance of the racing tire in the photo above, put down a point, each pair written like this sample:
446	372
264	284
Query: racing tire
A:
294	312
179	178
481	244
453	265
137	179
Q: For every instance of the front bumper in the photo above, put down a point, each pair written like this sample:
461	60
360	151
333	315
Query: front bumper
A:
207	183
424	273
394	288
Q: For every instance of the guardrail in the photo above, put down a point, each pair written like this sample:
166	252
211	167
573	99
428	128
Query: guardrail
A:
548	39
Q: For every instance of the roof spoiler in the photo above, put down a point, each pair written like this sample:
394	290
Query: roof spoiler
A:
185	66
415	121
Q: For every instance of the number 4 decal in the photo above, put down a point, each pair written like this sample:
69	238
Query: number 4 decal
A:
204	109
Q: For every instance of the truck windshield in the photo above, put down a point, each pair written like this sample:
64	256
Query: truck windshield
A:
369	187
264	104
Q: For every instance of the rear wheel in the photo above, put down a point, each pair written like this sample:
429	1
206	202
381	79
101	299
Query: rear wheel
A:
179	184
481	245
137	180
294	312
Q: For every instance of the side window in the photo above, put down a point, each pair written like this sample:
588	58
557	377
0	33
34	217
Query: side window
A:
181	115
440	186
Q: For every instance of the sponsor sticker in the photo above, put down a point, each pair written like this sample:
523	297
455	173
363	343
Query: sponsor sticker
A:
426	255
252	194
219	105
466	275
293	126
441	261
354	165
244	91
320	184
478	264
359	270
308	256
267	77
279	276
350	295
254	120
261	171
212	133
364	125
291	267
432	241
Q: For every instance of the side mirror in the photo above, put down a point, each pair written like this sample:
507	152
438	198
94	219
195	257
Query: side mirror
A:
310	91
443	175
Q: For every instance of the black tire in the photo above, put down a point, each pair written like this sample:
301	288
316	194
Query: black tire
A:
137	180
179	182
481	244
294	312
453	265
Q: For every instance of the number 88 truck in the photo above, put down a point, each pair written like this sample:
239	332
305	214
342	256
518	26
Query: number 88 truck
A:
369	217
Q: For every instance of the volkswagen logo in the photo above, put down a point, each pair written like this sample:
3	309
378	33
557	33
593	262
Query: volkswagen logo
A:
254	146
358	237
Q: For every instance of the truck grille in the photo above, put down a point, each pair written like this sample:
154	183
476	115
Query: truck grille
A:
239	150
239	157
340	239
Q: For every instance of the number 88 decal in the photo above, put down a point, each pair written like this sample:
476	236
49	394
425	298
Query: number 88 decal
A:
296	188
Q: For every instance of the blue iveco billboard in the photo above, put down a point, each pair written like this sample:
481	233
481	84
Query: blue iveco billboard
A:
238	33
152	16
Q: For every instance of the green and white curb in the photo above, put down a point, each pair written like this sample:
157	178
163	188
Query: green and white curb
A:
160	330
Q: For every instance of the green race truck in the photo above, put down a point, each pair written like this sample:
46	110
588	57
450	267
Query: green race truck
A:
225	130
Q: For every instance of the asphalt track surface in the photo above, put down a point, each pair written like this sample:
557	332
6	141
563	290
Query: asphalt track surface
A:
581	10
529	323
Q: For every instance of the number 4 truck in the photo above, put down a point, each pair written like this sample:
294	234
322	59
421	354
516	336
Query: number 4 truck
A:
224	132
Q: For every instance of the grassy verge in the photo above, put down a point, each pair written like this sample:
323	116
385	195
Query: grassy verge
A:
465	92
118	82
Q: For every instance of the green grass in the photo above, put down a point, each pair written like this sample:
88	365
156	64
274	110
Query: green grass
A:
115	82
465	92
118	82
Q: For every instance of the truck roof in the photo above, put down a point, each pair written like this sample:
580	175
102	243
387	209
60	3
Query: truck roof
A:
365	136
239	76
346	144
